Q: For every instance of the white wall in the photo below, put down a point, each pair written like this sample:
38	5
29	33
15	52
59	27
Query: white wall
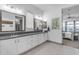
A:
29	22
55	35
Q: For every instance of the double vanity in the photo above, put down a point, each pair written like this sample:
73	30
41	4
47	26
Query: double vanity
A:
20	43
19	33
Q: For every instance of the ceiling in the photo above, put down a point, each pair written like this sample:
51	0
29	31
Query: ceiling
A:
71	13
72	10
68	9
46	7
50	7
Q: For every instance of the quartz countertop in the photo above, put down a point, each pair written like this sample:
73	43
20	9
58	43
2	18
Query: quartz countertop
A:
9	35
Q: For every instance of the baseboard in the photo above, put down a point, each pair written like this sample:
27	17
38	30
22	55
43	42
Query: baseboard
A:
55	42
32	48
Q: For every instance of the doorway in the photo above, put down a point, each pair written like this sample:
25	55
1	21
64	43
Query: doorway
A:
70	30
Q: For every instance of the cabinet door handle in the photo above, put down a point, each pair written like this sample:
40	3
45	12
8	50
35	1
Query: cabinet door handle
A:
15	41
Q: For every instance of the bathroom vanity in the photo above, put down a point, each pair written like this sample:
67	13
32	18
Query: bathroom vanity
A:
21	43
18	35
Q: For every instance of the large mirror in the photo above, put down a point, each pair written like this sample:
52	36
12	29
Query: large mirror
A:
38	24
11	22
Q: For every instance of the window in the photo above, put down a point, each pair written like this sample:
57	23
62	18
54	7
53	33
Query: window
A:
70	26
76	26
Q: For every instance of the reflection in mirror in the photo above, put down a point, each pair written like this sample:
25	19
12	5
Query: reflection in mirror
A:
40	24
11	21
18	23
37	24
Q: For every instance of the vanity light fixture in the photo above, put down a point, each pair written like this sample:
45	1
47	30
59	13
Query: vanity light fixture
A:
44	18
37	17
